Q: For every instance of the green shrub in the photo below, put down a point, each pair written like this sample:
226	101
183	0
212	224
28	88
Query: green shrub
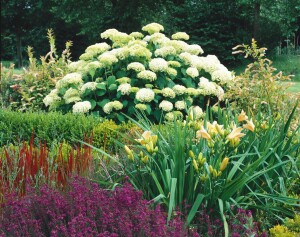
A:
26	91
291	228
151	73
53	126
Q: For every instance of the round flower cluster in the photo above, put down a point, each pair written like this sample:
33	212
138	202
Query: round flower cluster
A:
180	105
108	107
137	35
222	75
52	98
136	66
97	48
147	75
192	91
158	65
168	92
153	28
141	106
71	78
107	59
194	49
145	95
82	107
172	71
139	51
174	64
71	95
207	87
180	36
89	85
124	88
192	72
166	106
77	66
196	112
179	89
124	80
165	51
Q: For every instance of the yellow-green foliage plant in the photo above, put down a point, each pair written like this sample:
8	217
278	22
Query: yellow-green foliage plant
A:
40	77
291	228
260	85
140	71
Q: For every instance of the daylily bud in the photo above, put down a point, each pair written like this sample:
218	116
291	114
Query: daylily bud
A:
211	169
145	159
224	164
128	151
154	139
191	154
195	165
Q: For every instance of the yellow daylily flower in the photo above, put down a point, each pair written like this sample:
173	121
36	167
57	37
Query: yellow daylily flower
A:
250	125
242	116
235	133
203	133
146	136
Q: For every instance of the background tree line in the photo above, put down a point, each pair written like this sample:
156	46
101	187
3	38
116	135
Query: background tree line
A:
217	25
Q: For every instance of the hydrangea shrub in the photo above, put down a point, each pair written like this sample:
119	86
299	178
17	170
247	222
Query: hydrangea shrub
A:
141	71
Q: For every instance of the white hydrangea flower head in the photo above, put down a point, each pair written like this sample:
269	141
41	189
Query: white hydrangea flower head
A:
124	88
166	106
77	66
121	39
86	56
147	38
192	91
108	34
147	75
180	46
194	49
108	107
92	66
179	89
82	107
172	71
211	63
192	72
123	80
170	116
153	28
174	64
121	53
197	62
108	59
180	105
186	58
168	92
134	89
197	112
140	51
71	95
180	36
158	65
220	92
52	98
207	87
159	39
117	105
222	75
141	107
140	42
89	85
165	51
136	66
137	35
71	78
98	48
145	95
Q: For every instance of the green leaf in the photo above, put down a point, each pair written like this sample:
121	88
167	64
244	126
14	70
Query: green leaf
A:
194	208
93	103
148	109
120	74
103	102
111	80
101	86
120	117
125	103
223	217
183	70
100	93
113	87
172	198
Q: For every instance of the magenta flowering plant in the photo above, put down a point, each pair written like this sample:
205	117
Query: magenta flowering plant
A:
85	210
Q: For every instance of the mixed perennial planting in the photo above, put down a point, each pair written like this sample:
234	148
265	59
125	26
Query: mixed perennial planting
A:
151	73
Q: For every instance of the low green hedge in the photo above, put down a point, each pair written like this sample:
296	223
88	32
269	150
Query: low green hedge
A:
56	127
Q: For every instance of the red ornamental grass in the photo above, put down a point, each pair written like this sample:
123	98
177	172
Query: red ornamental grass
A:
35	164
